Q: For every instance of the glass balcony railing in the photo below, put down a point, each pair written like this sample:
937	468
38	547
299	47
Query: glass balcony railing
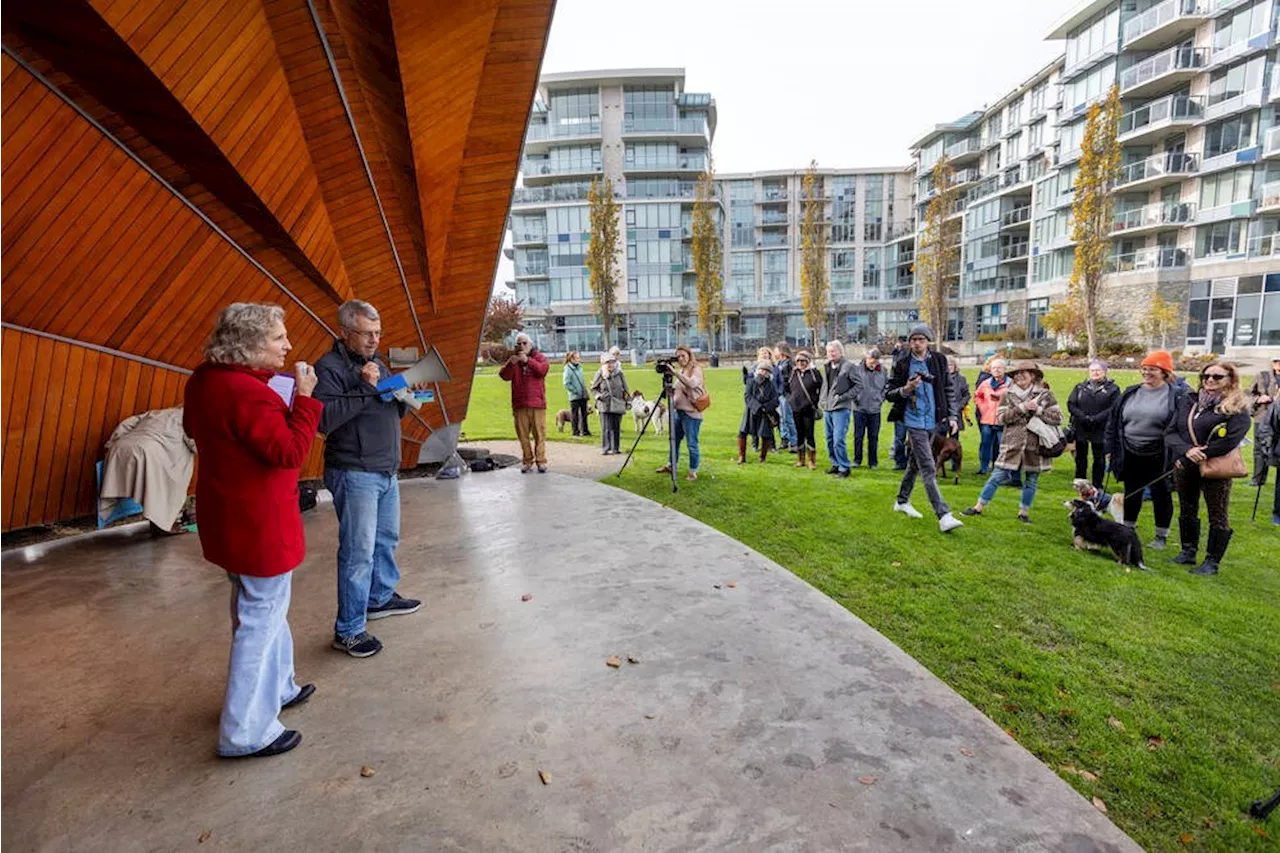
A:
999	284
1168	109
894	230
528	237
1016	215
1165	62
1155	215
682	126
963	147
1014	251
1160	15
1148	259
543	168
684	162
542	132
1270	195
772	194
1264	246
1158	165
530	269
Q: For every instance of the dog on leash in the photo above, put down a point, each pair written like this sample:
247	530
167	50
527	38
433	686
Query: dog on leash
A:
947	447
564	416
640	409
1102	502
1092	532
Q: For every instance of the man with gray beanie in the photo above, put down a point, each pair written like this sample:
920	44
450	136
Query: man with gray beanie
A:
919	391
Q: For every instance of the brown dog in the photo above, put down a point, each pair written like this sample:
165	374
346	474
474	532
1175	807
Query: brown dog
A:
564	416
945	448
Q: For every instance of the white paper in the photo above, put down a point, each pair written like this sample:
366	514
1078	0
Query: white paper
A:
284	385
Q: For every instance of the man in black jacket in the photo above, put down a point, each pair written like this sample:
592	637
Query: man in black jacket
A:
919	390
361	461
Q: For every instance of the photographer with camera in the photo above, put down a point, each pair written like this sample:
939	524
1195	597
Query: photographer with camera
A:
526	370
919	389
688	387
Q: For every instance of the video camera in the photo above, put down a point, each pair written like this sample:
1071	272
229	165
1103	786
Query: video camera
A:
660	365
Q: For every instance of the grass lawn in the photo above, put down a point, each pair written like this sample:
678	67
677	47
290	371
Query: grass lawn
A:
1158	692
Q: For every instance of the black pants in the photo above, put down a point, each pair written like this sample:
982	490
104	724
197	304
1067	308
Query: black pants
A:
866	424
1217	496
1083	448
611	431
804	428
1138	472
578	412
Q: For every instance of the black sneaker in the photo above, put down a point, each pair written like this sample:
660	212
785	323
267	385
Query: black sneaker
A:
395	606
362	645
304	693
287	741
833	470
843	472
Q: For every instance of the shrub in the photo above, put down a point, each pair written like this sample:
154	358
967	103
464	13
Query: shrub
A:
494	353
1024	352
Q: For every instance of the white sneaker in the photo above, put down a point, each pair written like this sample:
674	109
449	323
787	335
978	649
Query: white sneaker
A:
949	522
908	509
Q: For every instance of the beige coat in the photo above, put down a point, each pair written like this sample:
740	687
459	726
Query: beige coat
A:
1019	447
149	459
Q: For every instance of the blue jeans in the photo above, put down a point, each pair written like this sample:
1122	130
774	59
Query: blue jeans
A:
866	424
368	507
685	427
1000	476
989	448
836	426
260	675
787	423
900	449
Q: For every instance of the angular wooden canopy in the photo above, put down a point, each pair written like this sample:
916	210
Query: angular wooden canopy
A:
162	158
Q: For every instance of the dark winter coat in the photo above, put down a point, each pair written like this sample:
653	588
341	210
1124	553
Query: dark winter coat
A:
1090	406
1177	437
805	389
761	399
782	376
1114	441
251	447
960	395
942	399
362	431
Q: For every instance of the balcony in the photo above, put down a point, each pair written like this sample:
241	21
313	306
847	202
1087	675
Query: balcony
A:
1075	69
1152	122
529	238
772	195
961	177
1233	210
1270	201
1153	217
773	219
1153	258
1274	93
1264	246
682	163
999	284
1229	159
532	270
540	135
691	129
963	151
1016	217
659	188
898	230
1163	24
1156	171
1230	53
555	193
1016	251
772	239
1167	70
541	171
1237	103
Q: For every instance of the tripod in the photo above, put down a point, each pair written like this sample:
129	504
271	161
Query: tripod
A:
665	394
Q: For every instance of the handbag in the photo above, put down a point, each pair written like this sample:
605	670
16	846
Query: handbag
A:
1228	466
703	401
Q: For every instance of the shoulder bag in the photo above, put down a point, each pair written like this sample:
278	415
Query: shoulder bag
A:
1228	466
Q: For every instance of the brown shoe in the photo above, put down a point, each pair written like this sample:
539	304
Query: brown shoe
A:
813	466
742	449
765	446
665	469
800	454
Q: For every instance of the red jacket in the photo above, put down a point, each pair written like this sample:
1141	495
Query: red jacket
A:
528	381
250	446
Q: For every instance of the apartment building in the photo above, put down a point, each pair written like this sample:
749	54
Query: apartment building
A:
640	129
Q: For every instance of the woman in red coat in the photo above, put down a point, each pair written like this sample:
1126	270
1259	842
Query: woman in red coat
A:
251	445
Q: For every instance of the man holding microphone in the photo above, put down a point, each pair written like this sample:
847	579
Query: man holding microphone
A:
361	461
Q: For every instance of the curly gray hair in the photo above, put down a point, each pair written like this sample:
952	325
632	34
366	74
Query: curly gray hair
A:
353	308
241	331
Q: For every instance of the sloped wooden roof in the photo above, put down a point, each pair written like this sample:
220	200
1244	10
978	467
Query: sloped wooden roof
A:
162	158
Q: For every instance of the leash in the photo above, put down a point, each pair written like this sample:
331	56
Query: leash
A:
1141	489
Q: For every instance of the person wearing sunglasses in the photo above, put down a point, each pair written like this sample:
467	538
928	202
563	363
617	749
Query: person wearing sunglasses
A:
1207	425
804	390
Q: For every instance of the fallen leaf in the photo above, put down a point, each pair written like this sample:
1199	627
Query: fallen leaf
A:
526	597
1085	774
867	780
648	716
716	585
1062	694
1009	732
1067	768
632	659
613	661
1067	712
1155	742
545	777
204	836
1010	707
999	695
896	564
1261	831
367	771
1099	805
1208	823
732	585
1115	724
966	752
1187	838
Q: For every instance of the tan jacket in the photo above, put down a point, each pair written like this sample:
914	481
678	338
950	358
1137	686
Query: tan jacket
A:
1264	384
1019	447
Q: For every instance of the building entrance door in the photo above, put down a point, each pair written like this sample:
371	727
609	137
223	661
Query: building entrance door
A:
1220	333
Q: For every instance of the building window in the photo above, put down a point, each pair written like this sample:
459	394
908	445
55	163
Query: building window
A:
955	324
992	319
1221	238
753	330
844	198
1036	309
642	103
857	327
1242	25
1231	135
1236	80
575	107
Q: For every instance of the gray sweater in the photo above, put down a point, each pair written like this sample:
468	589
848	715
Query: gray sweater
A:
1146	415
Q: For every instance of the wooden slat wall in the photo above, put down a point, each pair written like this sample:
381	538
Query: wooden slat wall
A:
235	105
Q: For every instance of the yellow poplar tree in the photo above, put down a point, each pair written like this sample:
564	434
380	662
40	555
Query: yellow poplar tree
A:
1160	320
708	255
815	287
1065	319
938	255
602	254
1092	207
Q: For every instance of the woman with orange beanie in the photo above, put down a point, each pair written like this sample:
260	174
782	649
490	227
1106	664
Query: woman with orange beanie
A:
1136	444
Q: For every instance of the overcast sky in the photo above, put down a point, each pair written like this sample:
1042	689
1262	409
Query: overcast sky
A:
850	83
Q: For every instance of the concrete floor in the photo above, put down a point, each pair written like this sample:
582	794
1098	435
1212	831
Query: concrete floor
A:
759	717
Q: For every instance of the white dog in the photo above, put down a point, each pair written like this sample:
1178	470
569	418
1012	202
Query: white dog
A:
640	409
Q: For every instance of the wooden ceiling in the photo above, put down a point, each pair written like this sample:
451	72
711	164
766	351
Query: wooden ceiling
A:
162	158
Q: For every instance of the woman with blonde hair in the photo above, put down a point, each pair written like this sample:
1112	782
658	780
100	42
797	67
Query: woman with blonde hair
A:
686	418
1207	425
